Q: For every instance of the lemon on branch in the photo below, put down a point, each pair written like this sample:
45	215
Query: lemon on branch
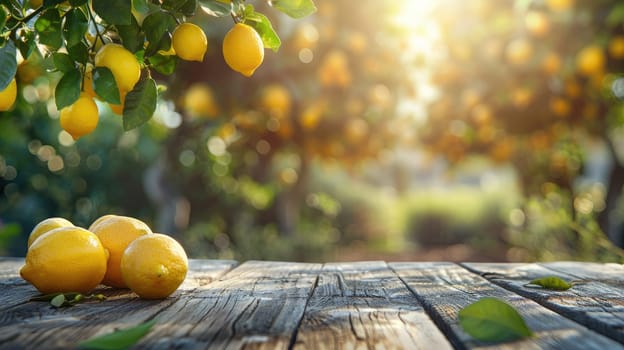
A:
189	42
81	117
243	49
122	63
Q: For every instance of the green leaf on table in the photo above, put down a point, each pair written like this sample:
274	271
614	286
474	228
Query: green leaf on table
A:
48	25
68	89
63	62
216	8
140	104
76	25
493	320
114	11
120	339
263	26
8	64
58	300
551	282
295	8
105	85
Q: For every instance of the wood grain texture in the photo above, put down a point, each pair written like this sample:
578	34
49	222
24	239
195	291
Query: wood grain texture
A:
256	305
39	325
365	306
445	288
10	280
594	303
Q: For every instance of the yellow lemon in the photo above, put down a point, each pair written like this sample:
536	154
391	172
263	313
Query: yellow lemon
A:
46	225
276	100
8	96
87	83
122	63
66	259
243	49
98	220
154	266
115	233
81	117
189	42
590	61
199	101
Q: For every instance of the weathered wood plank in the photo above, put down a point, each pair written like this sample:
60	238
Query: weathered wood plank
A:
610	273
445	288
365	305
10	280
38	325
256	305
595	304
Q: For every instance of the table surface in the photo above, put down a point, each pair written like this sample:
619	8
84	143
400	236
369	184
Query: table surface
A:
373	304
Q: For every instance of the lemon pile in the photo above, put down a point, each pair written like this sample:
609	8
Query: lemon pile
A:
117	251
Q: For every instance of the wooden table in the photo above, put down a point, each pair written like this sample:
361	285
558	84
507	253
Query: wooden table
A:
260	304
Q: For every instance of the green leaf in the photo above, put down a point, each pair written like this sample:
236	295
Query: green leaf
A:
63	62
551	282
131	35
114	11
184	7
158	26
26	42
3	16
140	104
294	8
163	64
120	339
68	89
58	300
105	86
79	52
8	64
77	3
215	8
263	26
140	5
493	320
48	25
76	25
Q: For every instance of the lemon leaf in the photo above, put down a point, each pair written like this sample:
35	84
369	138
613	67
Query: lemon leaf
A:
76	25
493	320
295	8
27	43
157	27
131	35
68	89
8	64
263	26
551	282
58	300
114	11
140	104
120	339
163	64
48	25
105	86
216	8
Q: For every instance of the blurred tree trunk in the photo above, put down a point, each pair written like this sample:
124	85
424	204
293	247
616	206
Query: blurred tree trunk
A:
607	219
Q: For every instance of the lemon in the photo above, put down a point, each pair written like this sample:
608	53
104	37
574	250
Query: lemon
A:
189	42
122	63
243	49
98	220
276	100
45	226
590	61
154	266
66	259
81	117
115	233
8	96
199	101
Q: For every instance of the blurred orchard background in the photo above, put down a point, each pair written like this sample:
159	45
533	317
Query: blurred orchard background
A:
425	130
